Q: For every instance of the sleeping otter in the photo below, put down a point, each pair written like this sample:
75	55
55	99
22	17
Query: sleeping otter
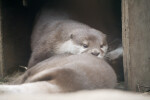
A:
54	33
65	73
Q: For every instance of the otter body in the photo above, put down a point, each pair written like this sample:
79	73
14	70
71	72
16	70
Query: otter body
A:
55	33
67	73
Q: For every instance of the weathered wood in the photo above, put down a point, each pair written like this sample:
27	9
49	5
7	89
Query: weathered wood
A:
136	43
1	49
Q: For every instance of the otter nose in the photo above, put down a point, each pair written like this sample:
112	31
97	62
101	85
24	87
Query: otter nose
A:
95	53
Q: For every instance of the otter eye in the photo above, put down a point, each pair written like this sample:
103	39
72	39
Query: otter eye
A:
71	36
101	46
85	45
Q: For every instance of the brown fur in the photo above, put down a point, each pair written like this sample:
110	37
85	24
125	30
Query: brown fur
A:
71	73
116	59
53	29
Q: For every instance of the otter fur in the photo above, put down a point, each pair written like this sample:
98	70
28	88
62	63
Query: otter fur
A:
55	33
65	73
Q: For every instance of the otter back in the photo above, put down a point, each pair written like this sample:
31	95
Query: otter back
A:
67	73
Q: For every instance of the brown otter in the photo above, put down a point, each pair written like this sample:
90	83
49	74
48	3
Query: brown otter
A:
54	33
65	73
114	57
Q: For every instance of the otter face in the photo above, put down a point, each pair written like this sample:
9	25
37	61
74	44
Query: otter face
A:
85	41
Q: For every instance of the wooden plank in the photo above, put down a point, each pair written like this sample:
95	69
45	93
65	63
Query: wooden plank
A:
125	39
136	43
1	48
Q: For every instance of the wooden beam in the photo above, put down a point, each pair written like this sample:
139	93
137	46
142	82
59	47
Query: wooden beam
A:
1	44
136	43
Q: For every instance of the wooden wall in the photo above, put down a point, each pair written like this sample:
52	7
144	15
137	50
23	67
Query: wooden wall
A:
136	43
1	49
16	27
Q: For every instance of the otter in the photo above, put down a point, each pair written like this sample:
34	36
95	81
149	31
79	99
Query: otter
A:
65	73
114	57
55	33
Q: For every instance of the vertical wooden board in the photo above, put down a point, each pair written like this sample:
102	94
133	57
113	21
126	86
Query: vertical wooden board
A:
136	43
125	39
1	49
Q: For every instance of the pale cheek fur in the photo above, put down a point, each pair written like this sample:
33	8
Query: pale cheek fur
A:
115	53
105	48
100	56
82	49
70	47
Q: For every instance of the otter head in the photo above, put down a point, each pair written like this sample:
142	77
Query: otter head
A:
85	41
